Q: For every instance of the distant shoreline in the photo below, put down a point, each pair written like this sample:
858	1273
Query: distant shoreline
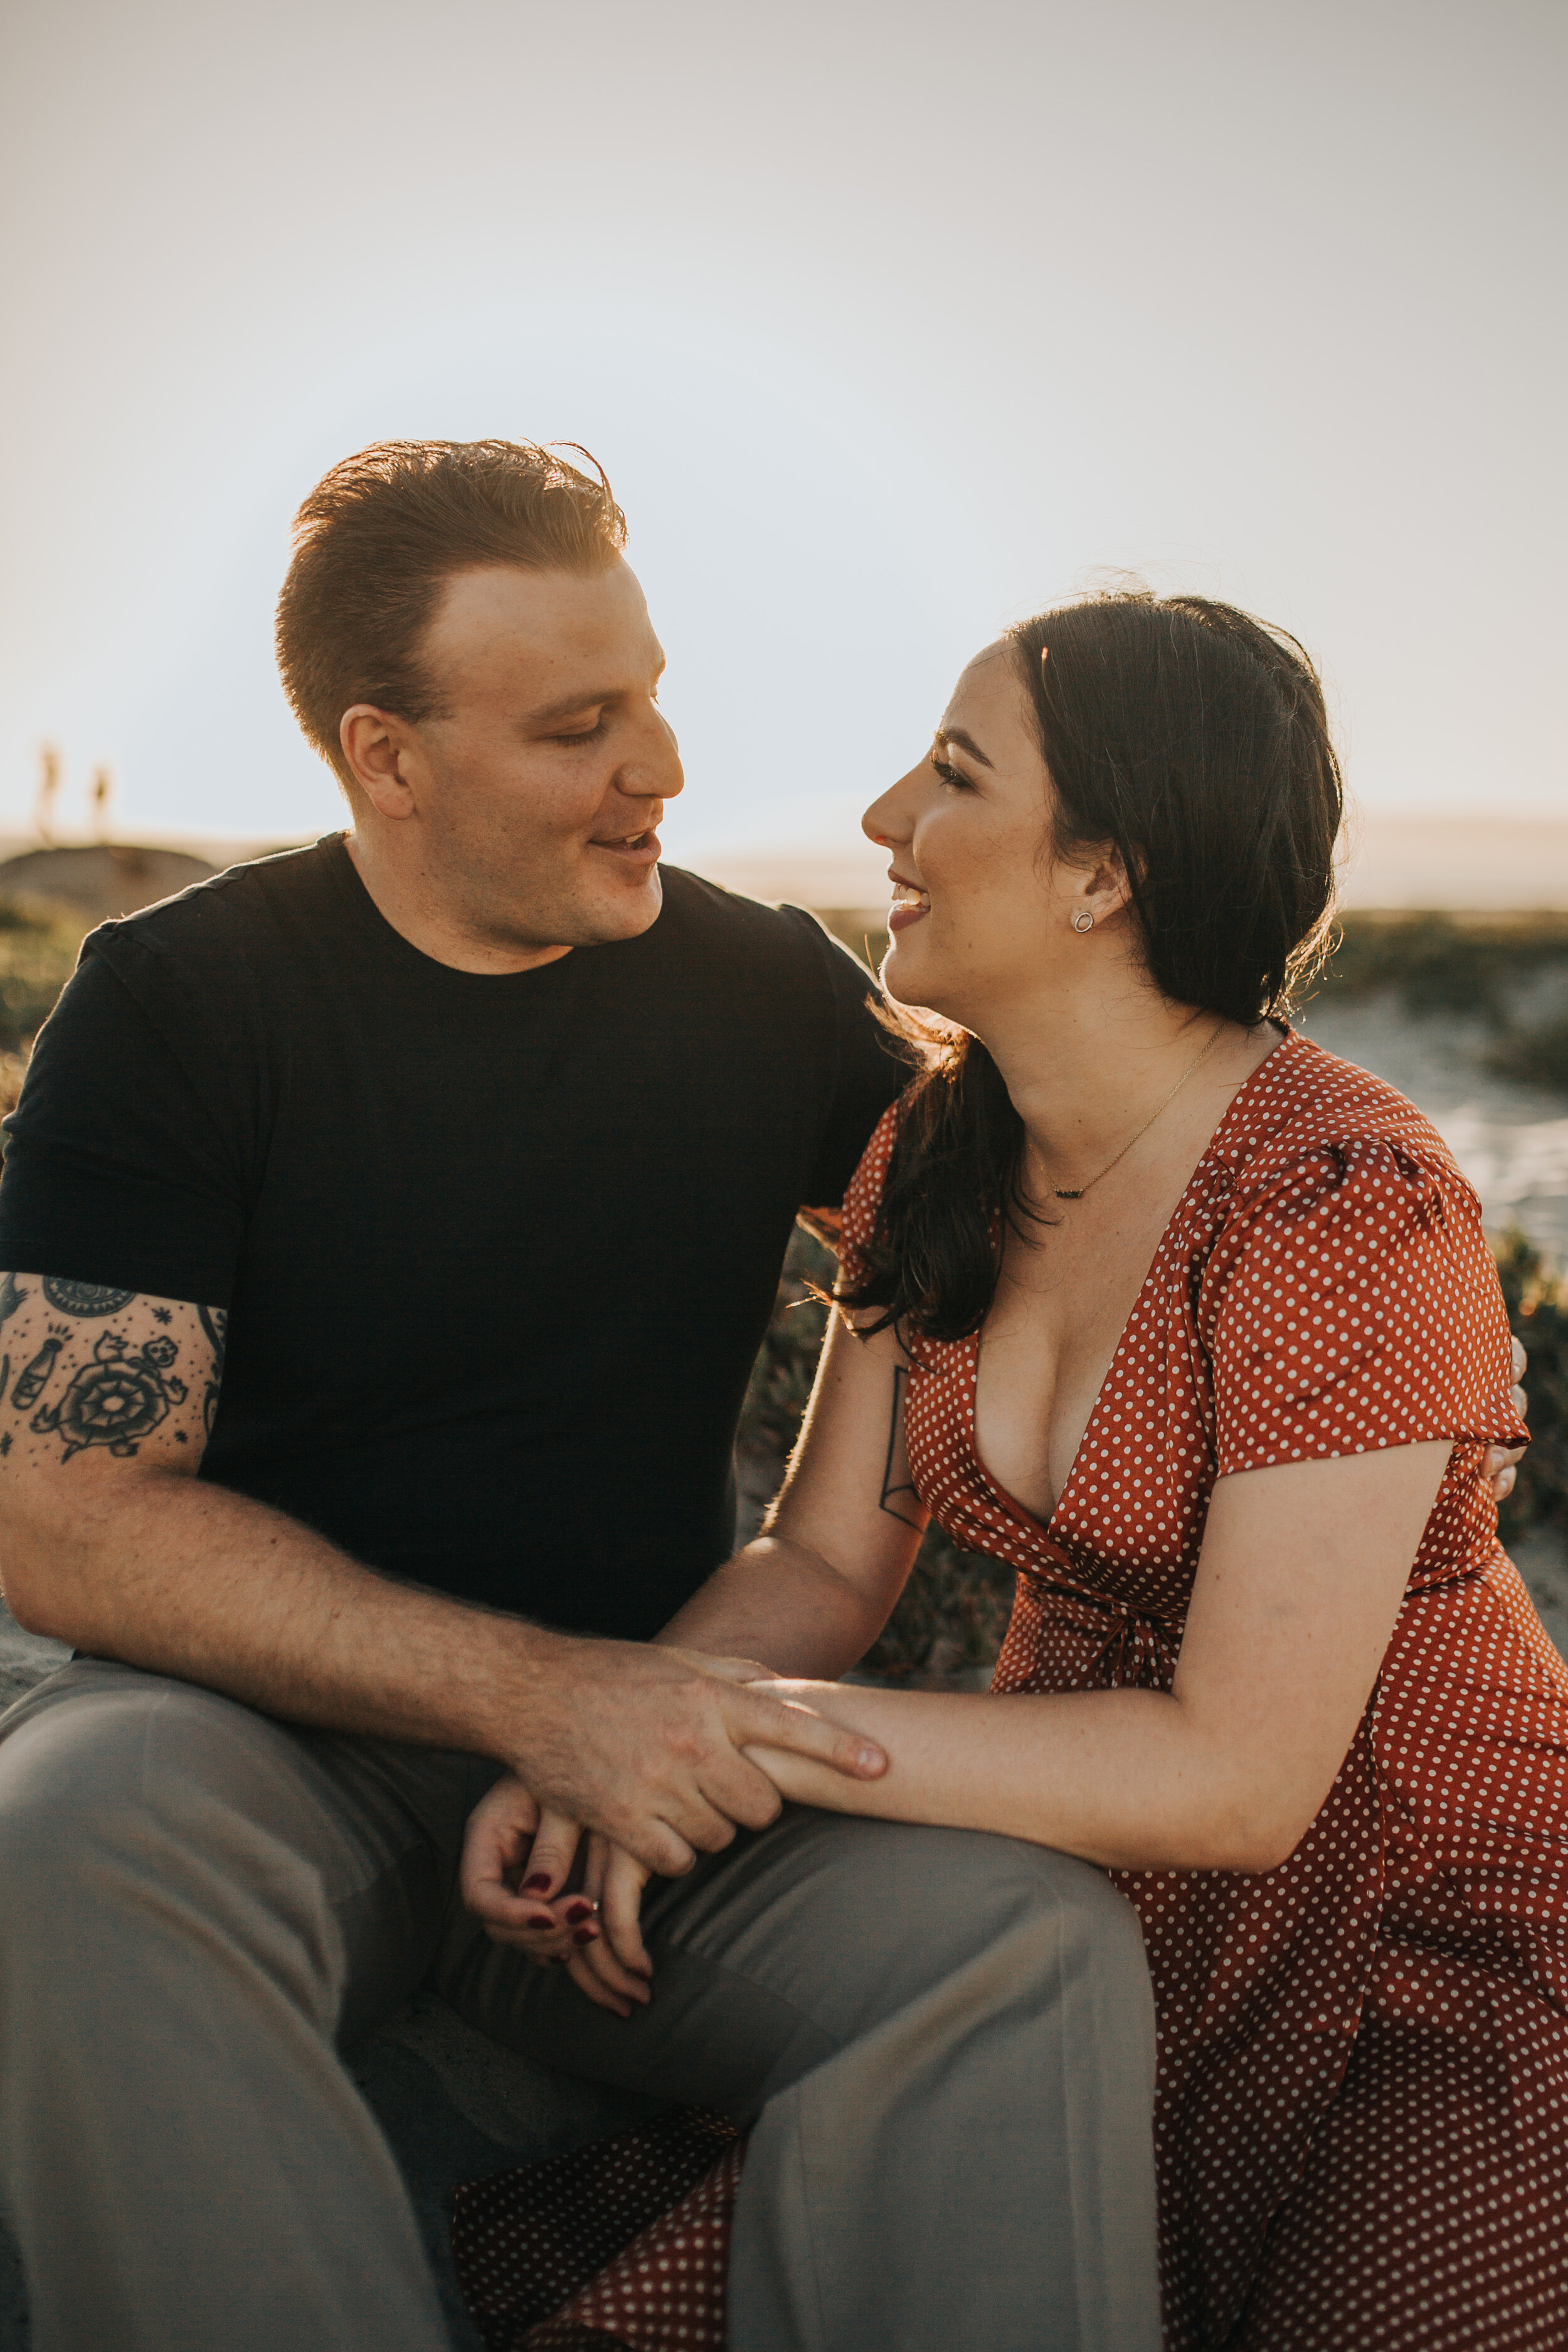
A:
1464	864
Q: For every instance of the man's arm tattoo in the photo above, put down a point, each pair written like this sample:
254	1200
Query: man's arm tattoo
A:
214	1323
116	1399
31	1383
121	1393
84	1298
896	1499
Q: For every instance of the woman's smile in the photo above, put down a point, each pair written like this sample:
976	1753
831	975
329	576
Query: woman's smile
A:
911	903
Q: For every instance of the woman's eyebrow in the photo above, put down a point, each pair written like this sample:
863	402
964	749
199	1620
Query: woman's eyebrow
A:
965	742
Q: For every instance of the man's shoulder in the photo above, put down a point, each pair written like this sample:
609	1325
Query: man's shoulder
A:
229	915
707	914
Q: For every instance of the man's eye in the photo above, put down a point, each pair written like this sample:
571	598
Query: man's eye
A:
587	735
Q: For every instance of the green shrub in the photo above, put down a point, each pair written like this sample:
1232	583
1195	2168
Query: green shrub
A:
1460	964
1537	1298
39	948
1440	963
1538	1056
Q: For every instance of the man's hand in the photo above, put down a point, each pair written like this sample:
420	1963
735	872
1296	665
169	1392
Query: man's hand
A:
642	1743
1501	1464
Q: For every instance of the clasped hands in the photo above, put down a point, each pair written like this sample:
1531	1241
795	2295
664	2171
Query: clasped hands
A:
657	1755
640	1756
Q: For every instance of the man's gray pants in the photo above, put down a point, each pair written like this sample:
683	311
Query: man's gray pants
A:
945	2039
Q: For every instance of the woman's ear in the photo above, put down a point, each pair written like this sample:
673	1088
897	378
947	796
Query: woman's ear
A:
1100	889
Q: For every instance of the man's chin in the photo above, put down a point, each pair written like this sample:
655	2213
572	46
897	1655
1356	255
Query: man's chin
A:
624	911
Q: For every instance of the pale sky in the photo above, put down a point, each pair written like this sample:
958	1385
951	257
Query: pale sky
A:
889	324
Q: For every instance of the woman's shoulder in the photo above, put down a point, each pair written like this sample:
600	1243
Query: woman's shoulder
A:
1302	1102
1311	1134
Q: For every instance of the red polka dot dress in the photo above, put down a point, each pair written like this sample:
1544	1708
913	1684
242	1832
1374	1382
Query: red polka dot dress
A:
1361	2113
1362	2108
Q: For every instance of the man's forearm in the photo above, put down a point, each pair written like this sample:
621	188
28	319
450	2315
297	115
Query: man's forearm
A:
783	1604
165	1572
184	1577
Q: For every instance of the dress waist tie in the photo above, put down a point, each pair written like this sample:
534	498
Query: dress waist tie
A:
1137	1651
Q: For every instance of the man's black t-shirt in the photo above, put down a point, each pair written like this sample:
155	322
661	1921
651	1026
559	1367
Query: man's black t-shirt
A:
498	1250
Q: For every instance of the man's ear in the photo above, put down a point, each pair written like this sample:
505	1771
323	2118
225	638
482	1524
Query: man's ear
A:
376	747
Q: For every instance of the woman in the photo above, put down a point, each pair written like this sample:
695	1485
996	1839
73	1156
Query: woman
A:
1193	1325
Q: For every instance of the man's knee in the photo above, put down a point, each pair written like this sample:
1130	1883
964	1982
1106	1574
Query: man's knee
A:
903	1867
70	1785
853	1918
125	1798
1060	1904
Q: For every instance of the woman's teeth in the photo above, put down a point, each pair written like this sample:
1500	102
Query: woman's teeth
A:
905	895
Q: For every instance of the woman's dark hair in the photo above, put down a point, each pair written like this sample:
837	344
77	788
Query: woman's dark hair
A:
1194	740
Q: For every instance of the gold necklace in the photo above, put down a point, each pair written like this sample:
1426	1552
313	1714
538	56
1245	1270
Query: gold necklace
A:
1148	1123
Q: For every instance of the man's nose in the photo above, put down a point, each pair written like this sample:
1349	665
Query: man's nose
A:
654	771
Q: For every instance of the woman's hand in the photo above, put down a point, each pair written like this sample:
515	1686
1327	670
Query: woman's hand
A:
516	1873
612	1967
1501	1464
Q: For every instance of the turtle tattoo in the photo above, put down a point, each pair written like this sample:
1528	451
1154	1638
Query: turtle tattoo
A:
116	1399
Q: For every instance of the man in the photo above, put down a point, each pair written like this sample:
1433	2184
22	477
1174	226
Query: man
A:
393	1224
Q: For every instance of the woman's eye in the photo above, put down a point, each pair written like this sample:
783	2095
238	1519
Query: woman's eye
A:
952	776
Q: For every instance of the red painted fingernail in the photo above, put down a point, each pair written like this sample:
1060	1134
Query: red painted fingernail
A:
578	1911
586	1935
536	1884
544	1926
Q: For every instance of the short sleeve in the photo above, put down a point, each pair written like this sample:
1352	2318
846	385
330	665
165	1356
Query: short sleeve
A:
1352	1303
868	1071
120	1160
864	1199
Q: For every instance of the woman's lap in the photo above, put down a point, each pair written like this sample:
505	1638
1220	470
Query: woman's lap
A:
1432	2215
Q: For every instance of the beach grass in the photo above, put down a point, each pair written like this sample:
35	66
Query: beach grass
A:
39	948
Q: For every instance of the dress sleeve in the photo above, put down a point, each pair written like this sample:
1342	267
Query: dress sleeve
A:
863	1200
1352	1303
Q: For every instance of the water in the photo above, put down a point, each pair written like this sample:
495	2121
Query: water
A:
1511	1140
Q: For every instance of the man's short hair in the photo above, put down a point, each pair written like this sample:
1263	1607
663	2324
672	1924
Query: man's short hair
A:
379	537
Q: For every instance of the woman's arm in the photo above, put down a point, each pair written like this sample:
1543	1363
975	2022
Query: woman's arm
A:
812	1593
1302	1572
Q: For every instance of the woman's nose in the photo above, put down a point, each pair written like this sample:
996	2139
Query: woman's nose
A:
881	822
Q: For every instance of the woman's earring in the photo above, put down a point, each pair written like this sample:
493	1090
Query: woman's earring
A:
1083	920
